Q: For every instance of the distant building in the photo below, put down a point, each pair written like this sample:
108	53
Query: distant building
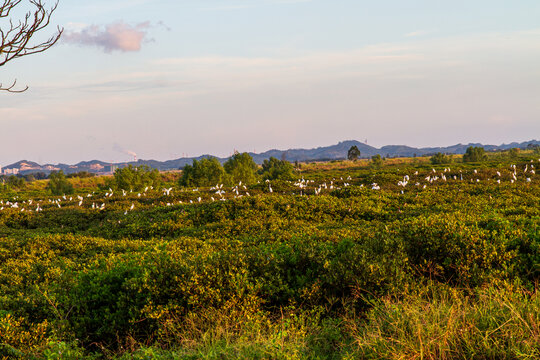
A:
13	171
110	168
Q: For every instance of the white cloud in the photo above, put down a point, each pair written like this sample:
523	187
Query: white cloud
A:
117	36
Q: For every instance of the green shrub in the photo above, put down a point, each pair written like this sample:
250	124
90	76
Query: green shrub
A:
106	304
449	248
399	272
274	169
440	158
376	161
59	184
206	172
135	178
241	167
474	154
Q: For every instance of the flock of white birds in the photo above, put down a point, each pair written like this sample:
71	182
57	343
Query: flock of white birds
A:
220	192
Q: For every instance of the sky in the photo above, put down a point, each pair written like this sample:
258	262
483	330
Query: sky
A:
165	79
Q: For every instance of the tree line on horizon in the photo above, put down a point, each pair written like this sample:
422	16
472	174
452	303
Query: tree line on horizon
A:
209	171
240	168
472	154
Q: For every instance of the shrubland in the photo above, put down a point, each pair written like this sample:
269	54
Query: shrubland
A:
403	260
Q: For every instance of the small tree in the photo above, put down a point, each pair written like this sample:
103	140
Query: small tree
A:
81	175
440	158
513	152
135	178
40	175
206	172
59	184
534	147
15	182
241	167
353	153
17	35
273	169
474	154
376	160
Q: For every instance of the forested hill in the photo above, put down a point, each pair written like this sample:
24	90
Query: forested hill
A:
333	152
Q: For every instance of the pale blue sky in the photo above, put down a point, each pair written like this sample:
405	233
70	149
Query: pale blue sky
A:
166	78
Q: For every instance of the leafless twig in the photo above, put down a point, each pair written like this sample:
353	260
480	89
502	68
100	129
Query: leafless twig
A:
15	38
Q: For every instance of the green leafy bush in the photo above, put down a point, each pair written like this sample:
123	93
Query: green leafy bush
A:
440	158
206	172
134	178
326	268
241	167
106	302
59	184
376	161
274	169
474	154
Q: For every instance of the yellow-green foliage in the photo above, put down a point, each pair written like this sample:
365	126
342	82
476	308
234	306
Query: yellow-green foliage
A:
325	268
18	337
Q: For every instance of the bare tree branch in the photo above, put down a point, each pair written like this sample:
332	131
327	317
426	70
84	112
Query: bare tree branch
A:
15	38
11	88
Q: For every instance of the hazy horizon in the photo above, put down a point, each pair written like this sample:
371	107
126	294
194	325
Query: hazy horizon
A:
257	152
167	78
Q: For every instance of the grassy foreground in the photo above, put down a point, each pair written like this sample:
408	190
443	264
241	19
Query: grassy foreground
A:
332	267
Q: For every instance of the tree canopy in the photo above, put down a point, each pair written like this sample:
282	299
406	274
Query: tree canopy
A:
274	169
59	184
440	158
353	153
135	178
206	172
241	167
474	154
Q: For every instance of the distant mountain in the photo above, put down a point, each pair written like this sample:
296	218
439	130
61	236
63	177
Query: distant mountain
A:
333	152
24	164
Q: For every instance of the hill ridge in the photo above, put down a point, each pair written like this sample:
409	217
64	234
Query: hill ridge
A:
321	153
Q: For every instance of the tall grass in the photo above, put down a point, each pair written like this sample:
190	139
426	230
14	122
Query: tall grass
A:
444	323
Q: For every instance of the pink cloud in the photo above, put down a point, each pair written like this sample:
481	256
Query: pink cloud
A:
117	36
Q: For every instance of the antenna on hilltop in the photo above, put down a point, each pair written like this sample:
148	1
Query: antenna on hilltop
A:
365	141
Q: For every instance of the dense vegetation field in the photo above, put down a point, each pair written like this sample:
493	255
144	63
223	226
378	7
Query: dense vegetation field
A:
351	261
